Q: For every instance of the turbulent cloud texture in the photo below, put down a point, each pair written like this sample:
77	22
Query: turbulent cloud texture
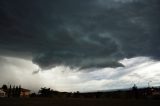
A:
79	33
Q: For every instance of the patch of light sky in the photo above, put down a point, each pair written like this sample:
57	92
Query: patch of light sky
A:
139	70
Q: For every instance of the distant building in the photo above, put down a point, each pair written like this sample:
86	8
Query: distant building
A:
24	92
2	93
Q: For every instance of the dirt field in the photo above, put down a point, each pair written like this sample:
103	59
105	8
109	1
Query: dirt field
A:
75	102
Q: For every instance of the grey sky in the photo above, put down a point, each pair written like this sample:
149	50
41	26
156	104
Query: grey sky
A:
83	35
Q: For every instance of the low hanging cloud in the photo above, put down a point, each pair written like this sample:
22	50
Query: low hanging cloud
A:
81	33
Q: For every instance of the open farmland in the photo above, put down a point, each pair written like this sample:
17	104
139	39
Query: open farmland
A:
75	102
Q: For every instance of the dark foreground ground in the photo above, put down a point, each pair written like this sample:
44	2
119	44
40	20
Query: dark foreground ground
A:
75	102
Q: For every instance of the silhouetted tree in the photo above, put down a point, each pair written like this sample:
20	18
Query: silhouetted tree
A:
4	87
135	91
13	91
45	92
16	91
76	94
9	91
33	95
19	90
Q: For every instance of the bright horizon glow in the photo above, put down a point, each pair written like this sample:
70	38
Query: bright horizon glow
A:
139	70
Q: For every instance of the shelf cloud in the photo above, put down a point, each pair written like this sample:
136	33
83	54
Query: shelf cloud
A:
79	33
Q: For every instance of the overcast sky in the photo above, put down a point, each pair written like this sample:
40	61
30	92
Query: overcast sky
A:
83	45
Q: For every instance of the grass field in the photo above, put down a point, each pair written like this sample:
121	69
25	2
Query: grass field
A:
75	102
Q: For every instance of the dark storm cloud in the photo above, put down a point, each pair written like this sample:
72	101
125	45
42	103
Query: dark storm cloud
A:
80	33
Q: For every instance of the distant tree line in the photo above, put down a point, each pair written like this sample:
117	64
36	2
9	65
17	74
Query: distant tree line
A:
134	92
14	91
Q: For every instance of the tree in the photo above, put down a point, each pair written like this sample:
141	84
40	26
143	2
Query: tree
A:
9	91
4	87
46	92
13	91
16	92
135	91
19	90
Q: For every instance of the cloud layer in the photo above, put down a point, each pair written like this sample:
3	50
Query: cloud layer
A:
81	33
